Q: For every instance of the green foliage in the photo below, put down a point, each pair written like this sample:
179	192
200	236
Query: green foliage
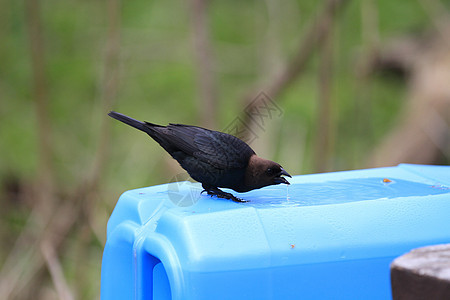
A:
158	83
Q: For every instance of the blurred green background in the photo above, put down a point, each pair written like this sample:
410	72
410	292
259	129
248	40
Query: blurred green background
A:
64	64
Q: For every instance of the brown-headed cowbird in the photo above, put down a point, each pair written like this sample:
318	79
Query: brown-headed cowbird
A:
214	158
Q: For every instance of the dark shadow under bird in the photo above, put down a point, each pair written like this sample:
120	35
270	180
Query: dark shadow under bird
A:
213	158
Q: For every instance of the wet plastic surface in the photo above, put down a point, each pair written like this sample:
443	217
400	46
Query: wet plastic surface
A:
326	236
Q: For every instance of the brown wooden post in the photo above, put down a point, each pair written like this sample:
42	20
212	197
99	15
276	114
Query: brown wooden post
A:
423	273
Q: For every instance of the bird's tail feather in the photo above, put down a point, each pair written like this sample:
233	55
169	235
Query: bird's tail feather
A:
153	130
129	121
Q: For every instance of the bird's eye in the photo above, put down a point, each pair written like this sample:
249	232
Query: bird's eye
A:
269	171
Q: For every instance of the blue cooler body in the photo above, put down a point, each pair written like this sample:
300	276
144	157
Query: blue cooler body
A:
326	236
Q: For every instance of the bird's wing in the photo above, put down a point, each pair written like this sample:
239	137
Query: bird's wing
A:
219	149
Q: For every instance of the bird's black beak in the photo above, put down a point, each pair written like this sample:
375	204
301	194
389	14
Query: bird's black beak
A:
278	179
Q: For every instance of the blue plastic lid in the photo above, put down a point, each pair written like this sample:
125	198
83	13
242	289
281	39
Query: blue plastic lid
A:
326	235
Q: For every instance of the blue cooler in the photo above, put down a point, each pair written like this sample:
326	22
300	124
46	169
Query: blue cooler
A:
326	236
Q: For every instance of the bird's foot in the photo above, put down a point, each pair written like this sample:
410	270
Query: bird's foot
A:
224	195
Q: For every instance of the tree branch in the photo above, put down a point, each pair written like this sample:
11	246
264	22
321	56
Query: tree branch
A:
204	62
45	191
314	37
323	137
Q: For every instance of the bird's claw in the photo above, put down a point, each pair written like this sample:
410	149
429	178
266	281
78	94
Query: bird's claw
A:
239	200
224	195
231	197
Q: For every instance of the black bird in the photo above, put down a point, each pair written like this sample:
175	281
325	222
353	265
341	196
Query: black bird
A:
214	158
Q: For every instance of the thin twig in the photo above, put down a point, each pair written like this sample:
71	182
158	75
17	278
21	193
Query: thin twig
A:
44	198
370	40
56	229
57	221
109	88
204	63
293	69
41	106
56	271
324	118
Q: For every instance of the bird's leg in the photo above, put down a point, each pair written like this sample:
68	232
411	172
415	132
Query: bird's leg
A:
213	191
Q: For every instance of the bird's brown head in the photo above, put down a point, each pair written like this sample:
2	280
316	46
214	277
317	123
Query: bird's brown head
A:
262	172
